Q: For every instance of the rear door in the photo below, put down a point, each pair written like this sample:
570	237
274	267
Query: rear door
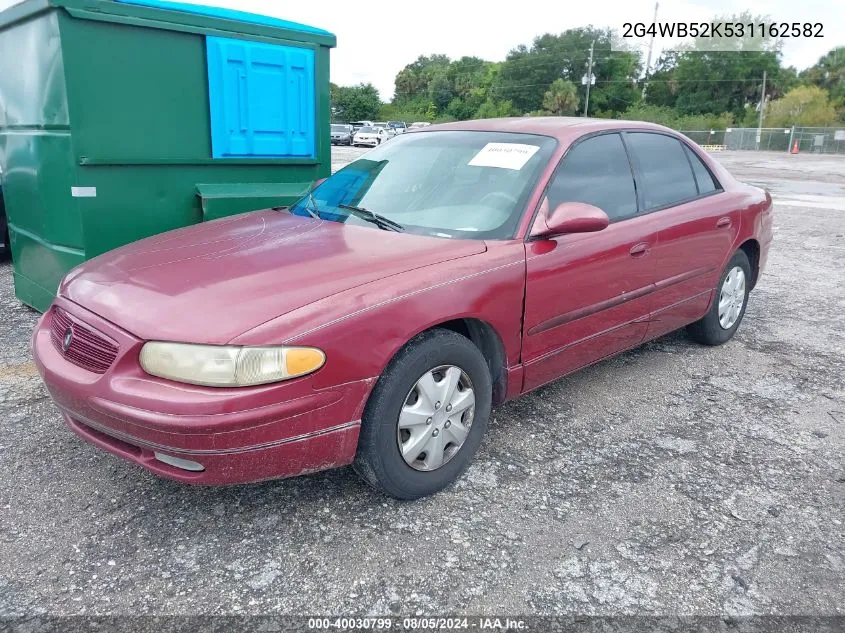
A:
695	228
587	295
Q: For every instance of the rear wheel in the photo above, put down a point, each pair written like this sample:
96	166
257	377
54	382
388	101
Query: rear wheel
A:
728	307
426	416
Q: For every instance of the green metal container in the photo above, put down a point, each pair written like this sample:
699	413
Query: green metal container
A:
119	120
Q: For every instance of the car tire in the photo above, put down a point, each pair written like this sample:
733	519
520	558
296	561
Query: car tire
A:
379	459
725	314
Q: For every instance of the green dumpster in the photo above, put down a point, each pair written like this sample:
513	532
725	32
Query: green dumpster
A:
122	119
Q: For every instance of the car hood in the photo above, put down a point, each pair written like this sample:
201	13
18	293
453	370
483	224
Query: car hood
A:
210	282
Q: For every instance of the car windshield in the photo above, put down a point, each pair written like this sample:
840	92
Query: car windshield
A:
338	128
459	184
366	128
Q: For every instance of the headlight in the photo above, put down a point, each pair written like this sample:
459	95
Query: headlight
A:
228	366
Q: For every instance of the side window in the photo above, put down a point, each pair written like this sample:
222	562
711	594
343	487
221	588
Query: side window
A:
665	171
596	171
705	180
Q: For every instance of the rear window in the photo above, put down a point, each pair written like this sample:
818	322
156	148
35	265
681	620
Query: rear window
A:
664	169
366	129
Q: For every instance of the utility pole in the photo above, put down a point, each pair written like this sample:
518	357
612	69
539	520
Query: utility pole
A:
650	49
588	79
762	106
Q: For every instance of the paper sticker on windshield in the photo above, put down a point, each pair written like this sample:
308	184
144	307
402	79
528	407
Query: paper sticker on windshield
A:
504	155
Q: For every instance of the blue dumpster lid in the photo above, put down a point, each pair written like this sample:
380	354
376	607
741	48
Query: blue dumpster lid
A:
228	14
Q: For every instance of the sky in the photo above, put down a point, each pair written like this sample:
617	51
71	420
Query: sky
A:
377	38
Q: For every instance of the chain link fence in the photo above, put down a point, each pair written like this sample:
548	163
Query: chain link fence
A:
818	140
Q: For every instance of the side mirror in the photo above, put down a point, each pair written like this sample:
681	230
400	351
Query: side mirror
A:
570	217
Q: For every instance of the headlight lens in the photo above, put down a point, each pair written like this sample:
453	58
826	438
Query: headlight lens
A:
228	366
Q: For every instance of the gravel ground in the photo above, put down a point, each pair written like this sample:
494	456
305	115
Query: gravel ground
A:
674	479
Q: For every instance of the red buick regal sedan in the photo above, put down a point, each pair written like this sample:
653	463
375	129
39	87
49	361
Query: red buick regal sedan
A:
378	319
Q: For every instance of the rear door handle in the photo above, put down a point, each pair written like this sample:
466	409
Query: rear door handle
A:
723	223
638	250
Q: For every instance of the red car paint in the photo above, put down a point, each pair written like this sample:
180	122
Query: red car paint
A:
360	294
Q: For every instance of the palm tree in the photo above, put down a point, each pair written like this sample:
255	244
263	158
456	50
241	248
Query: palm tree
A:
561	98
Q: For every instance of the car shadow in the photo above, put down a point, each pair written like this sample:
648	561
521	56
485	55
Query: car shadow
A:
342	485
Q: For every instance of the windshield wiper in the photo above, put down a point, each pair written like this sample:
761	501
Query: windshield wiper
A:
314	209
375	218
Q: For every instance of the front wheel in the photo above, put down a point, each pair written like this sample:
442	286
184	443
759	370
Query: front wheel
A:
426	416
728	306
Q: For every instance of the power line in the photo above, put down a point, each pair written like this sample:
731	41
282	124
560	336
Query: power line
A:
628	81
632	81
556	64
681	81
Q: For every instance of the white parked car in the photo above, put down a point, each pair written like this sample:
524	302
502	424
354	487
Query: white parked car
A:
418	124
390	131
397	126
370	136
357	125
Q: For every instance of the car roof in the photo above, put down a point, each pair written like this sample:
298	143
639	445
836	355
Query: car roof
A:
561	128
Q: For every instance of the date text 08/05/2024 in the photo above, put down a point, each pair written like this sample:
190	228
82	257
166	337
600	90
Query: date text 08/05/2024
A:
418	623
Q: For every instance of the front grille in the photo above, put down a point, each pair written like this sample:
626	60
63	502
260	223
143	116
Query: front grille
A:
88	348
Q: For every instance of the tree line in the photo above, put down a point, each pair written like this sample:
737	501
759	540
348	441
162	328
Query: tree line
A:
690	89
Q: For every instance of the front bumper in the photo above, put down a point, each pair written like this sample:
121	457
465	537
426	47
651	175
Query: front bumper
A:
367	141
236	435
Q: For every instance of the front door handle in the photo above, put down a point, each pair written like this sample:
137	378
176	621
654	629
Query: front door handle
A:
723	223
638	250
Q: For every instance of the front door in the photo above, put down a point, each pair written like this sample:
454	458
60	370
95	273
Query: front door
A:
588	295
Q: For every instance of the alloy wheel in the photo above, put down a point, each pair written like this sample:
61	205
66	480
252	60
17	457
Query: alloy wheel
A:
731	297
